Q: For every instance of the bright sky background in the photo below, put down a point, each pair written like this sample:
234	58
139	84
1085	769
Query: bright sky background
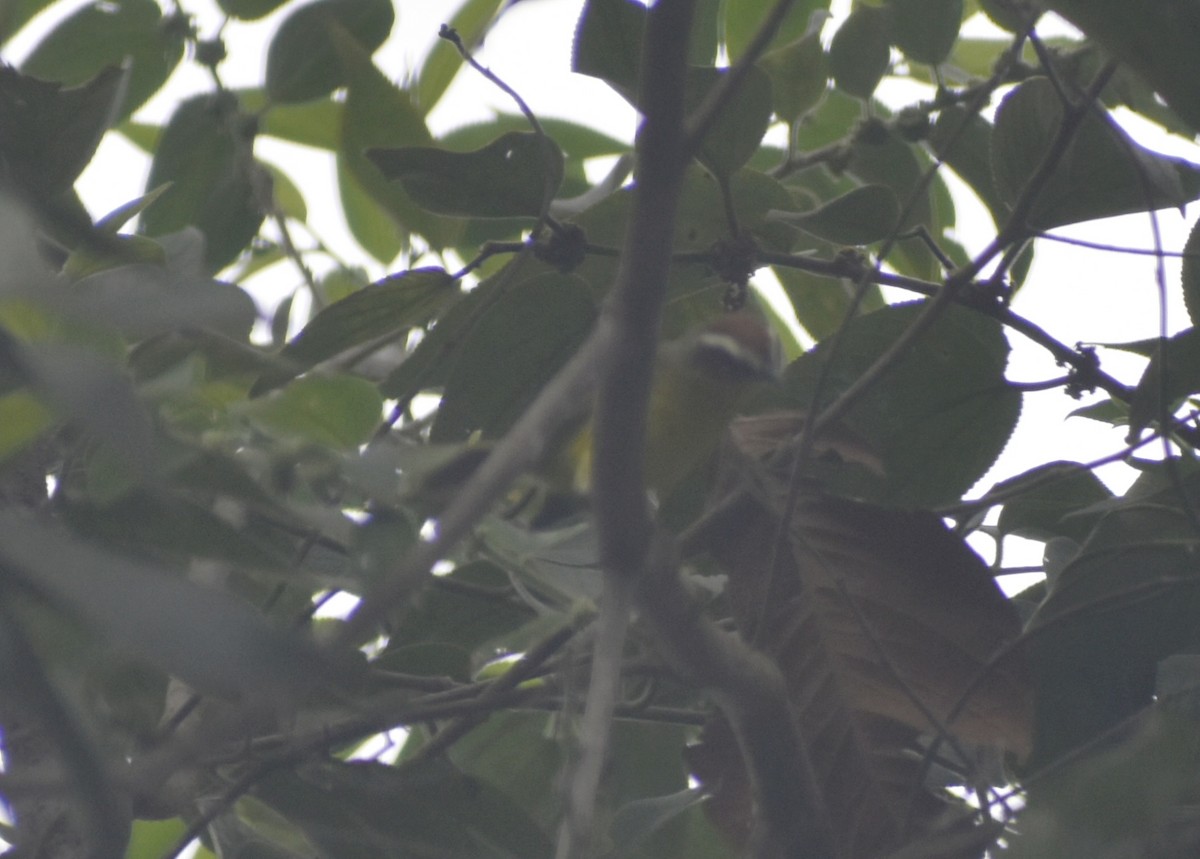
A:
1076	294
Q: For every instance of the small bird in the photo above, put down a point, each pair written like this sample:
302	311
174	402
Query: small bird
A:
700	381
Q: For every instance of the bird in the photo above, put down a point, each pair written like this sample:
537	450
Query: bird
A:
700	382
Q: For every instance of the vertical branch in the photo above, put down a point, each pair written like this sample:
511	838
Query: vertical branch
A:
631	317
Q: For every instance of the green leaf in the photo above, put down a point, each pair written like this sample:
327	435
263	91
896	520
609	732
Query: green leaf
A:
340	411
1102	173
1126	602
739	128
536	327
472	22
214	642
60	128
1190	276
821	303
925	30
1173	373
859	54
315	123
799	76
100	35
743	19
939	417
376	113
249	10
23	418
202	157
858	217
509	177
367	810
1052	502
1158	42
390	307
964	141
15	14
608	44
303	61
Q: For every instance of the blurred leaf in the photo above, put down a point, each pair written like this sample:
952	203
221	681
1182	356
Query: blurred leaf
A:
739	128
608	44
378	114
859	217
1132	797
341	411
215	643
49	133
799	76
939	416
202	157
303	61
15	14
249	10
743	19
1157	44
366	810
509	177
391	306
1102	173
150	839
472	22
859	54
535	327
22	419
102	35
145	300
925	30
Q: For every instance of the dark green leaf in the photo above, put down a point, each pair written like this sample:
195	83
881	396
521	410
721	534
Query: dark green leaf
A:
15	14
964	141
100	35
366	810
250	10
860	53
1190	276
390	307
1126	602
925	30
338	411
1054	504
202	155
938	417
514	175
859	217
514	350
303	61
215	643
1173	373
608	44
49	134
1102	173
1157	41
